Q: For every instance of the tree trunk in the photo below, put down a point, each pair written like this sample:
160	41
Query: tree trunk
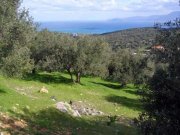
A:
78	77
34	71
71	75
123	84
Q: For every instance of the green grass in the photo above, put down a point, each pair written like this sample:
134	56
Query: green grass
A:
21	99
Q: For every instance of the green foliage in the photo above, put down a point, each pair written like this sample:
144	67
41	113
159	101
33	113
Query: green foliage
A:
128	67
17	32
47	50
83	55
132	38
91	57
18	63
143	68
123	69
112	120
162	100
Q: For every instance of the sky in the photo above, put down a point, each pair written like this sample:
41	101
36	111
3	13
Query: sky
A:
96	10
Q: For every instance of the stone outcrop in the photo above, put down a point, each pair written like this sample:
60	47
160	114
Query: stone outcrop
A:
77	109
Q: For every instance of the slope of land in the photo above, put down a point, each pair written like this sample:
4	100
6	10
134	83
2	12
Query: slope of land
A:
26	111
131	38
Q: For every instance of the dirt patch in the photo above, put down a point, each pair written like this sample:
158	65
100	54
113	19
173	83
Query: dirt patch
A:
8	123
27	91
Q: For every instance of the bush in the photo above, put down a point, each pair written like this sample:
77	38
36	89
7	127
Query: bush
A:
18	63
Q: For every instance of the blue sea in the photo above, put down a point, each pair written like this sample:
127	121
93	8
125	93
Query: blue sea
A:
91	27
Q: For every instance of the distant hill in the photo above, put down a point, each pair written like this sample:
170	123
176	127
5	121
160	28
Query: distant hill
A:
154	18
131	38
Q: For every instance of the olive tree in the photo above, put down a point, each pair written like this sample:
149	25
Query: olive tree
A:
87	56
128	67
17	32
18	63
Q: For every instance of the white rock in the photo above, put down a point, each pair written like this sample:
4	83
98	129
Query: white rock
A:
77	110
44	90
61	107
76	114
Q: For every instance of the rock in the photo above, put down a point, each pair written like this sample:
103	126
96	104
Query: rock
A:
61	107
101	113
94	114
83	111
76	114
77	109
44	90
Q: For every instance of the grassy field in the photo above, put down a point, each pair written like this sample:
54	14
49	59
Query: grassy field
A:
20	100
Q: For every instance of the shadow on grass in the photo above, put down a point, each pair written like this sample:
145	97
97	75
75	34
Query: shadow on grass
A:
112	86
134	92
48	78
52	122
2	91
134	104
138	92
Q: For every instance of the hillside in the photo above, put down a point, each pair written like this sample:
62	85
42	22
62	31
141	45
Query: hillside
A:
131	38
26	111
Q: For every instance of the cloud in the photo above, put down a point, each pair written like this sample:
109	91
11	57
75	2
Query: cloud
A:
68	5
158	5
100	9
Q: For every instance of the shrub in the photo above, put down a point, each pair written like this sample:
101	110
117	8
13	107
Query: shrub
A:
18	63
